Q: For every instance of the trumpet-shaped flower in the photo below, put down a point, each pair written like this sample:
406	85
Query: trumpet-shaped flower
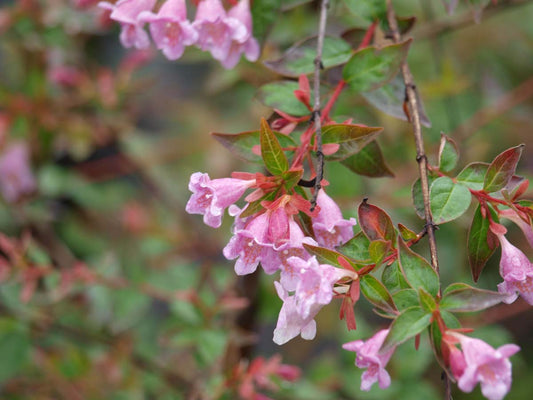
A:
516	271
479	362
330	228
265	238
290	321
211	197
126	12
315	284
248	45
216	30
170	28
368	356
247	245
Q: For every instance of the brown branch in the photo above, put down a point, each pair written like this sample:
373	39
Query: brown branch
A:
437	28
316	109
482	117
414	118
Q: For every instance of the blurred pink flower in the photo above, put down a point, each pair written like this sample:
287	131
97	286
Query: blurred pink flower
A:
330	228
479	362
216	30
126	12
211	197
16	177
290	321
170	28
516	271
249	46
368	357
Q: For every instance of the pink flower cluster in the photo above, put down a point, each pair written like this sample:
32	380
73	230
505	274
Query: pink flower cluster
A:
225	34
273	238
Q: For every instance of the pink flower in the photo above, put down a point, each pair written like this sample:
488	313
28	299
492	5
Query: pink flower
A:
479	362
16	177
315	285
275	256
170	29
267	238
516	271
216	30
368	357
211	197
290	321
126	12
247	245
331	230
249	46
523	225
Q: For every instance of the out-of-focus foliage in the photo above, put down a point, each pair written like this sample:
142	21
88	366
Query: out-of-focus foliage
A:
109	290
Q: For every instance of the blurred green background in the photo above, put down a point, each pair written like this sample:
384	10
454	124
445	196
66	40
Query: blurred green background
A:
111	291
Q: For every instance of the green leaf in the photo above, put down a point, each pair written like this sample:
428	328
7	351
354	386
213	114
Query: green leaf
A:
481	242
375	223
378	250
390	99
275	160
473	175
448	200
255	206
502	169
408	324
280	95
407	234
418	199
368	161
377	294
371	68
448	153
427	301
242	144
357	248
299	59
14	348
350	138
369	10
327	256
460	297
417	270
406	298
264	13
393	278
291	178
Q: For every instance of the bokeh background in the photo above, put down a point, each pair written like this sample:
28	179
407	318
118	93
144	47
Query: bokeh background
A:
109	290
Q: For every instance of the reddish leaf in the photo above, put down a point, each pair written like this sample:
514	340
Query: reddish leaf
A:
375	223
481	242
502	169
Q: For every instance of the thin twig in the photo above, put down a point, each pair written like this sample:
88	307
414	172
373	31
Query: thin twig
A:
482	117
437	28
316	109
414	118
